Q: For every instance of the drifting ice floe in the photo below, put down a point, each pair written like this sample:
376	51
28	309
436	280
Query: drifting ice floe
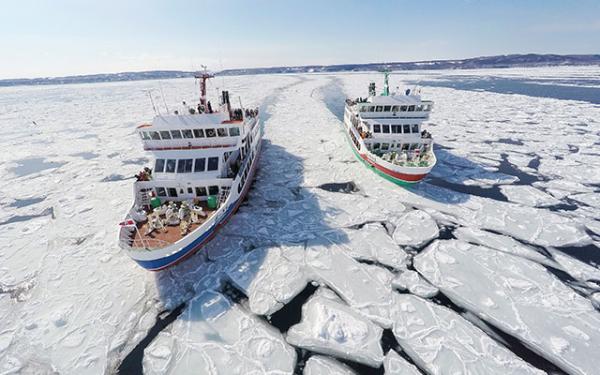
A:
217	336
319	365
396	365
412	282
333	328
415	228
513	294
528	196
442	342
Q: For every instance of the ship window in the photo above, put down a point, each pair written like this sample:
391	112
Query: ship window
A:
165	134
222	132
371	109
187	165
402	108
426	107
419	108
378	108
411	108
172	192
396	129
387	108
405	147
182	165
363	109
198	133
395	108
234	132
200	165
385	128
210	133
171	166
213	190
385	146
414	146
187	133
176	134
159	166
415	128
155	136
144	135
201	191
376	146
376	128
406	128
161	192
213	163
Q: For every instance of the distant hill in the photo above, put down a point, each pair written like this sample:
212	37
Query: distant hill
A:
500	61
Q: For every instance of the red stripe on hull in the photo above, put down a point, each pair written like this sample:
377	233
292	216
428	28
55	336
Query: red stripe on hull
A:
397	175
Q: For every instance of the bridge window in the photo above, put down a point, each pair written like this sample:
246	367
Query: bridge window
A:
165	134
386	128
201	191
371	108
200	165
159	166
144	135
376	146
405	147
411	108
234	132
222	132
213	163
198	133
210	133
396	129
184	166
385	146
172	192
395	108
376	128
187	133
171	166
155	136
176	134
415	128
419	108
213	190
406	129
161	192
378	108
387	108
426	107
403	108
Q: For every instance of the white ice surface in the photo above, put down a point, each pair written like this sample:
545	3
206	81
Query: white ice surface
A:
411	281
441	342
415	228
513	294
215	336
330	327
393	364
320	365
528	196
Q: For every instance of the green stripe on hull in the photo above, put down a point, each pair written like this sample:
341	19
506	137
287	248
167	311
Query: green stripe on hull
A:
372	168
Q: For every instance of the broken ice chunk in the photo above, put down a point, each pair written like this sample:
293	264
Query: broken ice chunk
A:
411	281
394	364
528	196
319	365
442	342
269	278
415	229
513	294
333	328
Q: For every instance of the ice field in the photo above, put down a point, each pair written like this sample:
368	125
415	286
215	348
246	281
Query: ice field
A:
492	265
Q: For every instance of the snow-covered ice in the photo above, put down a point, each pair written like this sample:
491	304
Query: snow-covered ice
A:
517	183
394	364
320	365
330	327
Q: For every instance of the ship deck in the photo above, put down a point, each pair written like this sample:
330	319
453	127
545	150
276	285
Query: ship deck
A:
166	236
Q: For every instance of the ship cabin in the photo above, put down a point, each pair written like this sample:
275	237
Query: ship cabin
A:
391	124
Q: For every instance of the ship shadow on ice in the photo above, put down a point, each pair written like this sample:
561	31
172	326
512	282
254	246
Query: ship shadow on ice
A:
277	211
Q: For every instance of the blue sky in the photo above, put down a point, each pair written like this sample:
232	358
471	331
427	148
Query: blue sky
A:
65	37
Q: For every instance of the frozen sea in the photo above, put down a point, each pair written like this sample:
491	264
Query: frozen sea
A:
491	265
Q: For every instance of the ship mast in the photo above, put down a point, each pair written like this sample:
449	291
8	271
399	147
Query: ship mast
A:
386	87
203	76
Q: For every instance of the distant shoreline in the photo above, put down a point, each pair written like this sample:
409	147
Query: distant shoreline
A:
499	61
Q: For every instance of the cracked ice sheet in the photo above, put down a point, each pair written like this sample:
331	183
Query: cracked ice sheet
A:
528	196
442	342
513	294
215	336
330	327
411	281
394	364
320	365
270	277
372	243
415	228
358	286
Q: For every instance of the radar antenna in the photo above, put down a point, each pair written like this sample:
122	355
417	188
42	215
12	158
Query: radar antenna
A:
203	76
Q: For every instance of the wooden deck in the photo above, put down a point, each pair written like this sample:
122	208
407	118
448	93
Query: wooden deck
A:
168	235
